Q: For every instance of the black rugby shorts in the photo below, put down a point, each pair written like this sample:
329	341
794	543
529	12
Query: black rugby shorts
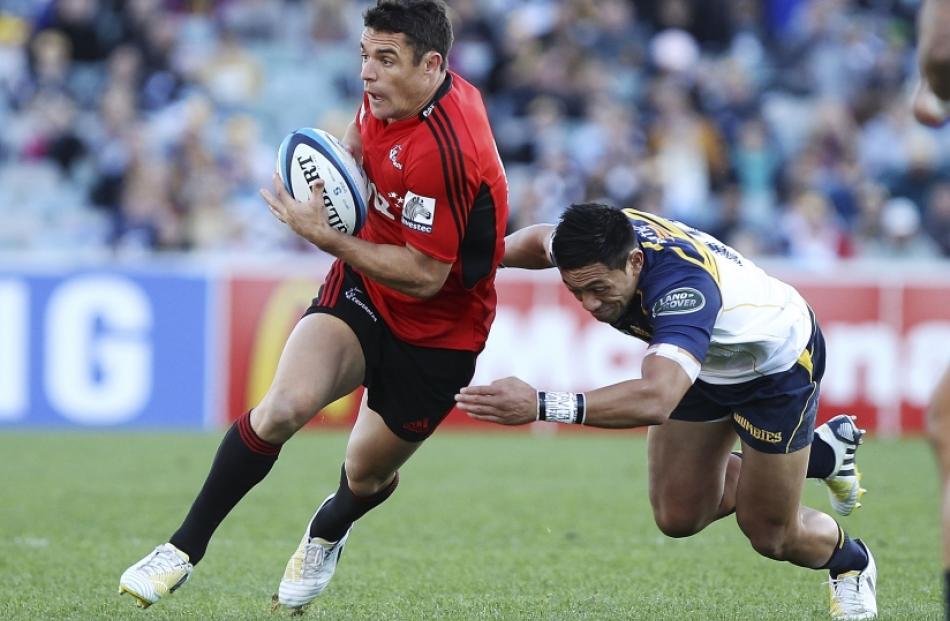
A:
413	388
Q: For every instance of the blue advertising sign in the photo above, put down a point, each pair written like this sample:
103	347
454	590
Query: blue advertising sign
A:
103	348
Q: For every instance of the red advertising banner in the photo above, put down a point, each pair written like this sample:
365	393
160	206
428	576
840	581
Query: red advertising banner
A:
261	314
888	341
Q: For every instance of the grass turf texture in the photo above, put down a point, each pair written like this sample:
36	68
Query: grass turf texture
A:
499	526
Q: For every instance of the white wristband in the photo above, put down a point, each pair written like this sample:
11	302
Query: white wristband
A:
562	407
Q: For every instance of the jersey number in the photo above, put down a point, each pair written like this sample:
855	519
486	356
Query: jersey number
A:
379	201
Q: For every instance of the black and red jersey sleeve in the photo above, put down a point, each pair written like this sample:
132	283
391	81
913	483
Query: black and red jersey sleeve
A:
441	182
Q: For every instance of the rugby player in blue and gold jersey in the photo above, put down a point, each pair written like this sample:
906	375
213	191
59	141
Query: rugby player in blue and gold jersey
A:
732	352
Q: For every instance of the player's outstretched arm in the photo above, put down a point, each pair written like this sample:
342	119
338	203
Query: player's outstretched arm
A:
634	403
529	248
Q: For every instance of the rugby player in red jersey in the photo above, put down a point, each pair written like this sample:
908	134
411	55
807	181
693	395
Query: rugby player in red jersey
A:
404	310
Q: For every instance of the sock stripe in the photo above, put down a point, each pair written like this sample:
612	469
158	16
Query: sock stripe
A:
252	440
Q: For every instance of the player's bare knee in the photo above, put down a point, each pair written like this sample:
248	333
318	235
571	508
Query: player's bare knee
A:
677	524
280	416
769	546
769	540
365	480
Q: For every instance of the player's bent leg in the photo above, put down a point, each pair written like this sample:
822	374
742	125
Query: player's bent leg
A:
251	446
769	513
689	467
369	477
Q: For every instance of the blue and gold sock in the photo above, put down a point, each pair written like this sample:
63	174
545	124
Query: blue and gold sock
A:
849	555
821	459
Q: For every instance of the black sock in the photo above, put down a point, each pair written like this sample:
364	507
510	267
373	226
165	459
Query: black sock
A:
821	460
242	461
345	508
849	555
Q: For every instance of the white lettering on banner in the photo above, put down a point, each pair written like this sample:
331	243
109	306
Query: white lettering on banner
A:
548	347
856	350
871	361
927	356
14	349
98	352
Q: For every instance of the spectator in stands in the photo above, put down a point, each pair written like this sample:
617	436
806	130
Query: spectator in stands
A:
806	97
901	233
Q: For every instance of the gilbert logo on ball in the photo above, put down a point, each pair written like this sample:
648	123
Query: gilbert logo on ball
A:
308	154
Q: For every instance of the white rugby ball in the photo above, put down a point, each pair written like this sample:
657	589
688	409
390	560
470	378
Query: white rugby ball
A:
308	154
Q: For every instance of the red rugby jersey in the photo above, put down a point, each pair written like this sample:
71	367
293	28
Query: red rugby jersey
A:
437	184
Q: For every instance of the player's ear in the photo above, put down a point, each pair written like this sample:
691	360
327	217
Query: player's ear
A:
433	61
635	261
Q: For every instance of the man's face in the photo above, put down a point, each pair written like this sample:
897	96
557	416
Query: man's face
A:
603	292
396	87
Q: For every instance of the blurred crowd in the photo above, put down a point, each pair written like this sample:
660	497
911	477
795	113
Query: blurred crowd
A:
783	127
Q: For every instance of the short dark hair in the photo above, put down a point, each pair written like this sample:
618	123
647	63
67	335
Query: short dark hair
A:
425	23
590	233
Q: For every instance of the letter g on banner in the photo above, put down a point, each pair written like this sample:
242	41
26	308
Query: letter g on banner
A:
98	350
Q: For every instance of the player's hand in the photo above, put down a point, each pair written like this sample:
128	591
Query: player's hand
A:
508	401
355	149
307	219
929	109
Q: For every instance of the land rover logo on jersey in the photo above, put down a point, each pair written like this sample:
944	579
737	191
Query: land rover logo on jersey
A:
418	212
679	301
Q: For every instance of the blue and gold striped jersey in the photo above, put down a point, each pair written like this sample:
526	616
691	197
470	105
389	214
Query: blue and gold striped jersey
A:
699	294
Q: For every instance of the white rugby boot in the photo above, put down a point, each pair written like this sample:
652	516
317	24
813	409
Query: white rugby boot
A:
162	572
854	593
310	568
844	484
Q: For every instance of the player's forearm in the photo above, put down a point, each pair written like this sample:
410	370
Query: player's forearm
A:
528	247
934	46
396	267
640	402
634	403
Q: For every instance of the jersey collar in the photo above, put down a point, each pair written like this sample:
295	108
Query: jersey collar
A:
439	94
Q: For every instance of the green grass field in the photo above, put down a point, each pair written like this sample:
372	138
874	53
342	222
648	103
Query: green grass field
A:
501	526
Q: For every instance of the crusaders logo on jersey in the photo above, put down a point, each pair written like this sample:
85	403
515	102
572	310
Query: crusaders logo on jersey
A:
394	155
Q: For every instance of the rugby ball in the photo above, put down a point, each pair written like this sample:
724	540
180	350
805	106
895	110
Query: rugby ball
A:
308	154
